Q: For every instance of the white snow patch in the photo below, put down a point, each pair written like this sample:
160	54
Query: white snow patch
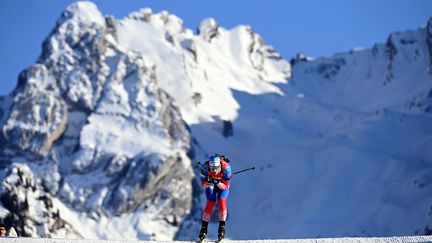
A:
402	239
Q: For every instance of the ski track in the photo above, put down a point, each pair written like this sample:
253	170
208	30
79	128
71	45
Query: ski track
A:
401	239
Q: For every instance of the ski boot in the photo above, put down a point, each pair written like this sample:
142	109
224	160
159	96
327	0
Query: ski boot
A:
221	231
203	231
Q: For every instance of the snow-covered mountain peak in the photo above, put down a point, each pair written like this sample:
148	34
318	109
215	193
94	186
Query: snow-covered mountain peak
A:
92	109
163	20
78	19
202	74
208	28
144	14
85	12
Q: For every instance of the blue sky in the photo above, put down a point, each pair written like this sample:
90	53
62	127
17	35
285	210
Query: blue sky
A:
314	27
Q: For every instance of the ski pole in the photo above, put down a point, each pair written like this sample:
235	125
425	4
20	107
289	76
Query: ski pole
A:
240	171
237	172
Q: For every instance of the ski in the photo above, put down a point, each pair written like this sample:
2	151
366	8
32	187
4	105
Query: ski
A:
201	239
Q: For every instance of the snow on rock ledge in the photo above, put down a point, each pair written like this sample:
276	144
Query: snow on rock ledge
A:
208	29
83	12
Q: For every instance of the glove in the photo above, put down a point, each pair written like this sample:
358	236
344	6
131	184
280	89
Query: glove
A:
204	185
209	180
216	181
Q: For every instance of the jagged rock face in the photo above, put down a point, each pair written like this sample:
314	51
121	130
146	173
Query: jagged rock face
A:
38	116
81	111
26	195
208	29
75	52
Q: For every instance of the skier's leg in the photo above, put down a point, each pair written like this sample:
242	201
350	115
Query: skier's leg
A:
223	212
222	209
208	211
211	200
222	204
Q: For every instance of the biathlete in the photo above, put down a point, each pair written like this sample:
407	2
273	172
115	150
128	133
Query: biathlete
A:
215	179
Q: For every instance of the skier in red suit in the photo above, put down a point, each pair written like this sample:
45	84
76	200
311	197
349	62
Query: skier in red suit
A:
215	179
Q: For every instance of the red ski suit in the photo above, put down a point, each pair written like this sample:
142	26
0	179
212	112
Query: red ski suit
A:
218	192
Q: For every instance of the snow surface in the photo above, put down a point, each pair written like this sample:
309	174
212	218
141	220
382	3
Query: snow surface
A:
212	70
404	239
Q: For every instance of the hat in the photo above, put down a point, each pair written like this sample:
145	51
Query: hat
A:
214	162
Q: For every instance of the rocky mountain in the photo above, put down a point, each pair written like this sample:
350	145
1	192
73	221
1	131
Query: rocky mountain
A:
88	127
100	137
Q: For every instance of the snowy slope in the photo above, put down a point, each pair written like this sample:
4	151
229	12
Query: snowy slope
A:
347	142
102	135
404	239
204	69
